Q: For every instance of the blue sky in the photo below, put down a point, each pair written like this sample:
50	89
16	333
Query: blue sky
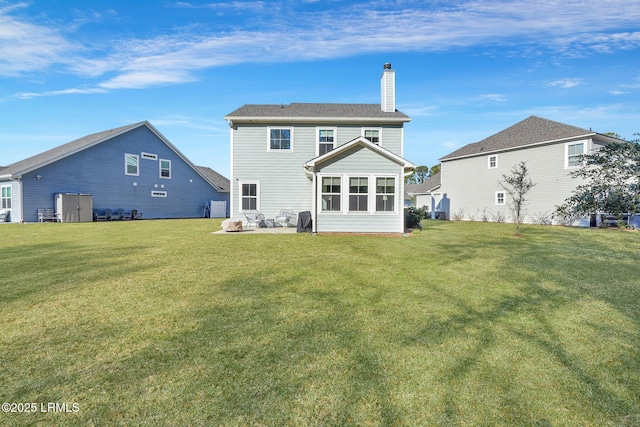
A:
464	69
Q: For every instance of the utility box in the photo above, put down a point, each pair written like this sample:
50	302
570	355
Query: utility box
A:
217	209
72	207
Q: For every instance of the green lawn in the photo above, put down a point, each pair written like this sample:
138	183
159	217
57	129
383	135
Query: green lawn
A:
463	324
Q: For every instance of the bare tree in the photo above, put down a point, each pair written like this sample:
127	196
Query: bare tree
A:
517	185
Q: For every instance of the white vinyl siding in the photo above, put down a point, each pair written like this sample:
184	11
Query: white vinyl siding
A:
283	182
468	187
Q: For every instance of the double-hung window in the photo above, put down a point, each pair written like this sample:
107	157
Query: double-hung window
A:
372	135
280	139
331	193
358	194
165	168
500	198
385	194
249	196
131	164
326	140
492	161
5	200
574	153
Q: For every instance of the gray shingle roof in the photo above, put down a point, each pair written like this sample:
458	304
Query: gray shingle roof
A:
49	156
429	184
532	130
223	183
299	111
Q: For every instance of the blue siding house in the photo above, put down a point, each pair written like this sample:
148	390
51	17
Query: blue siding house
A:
131	167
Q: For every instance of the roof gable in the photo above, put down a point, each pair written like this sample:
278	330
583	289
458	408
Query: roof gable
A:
360	141
532	130
45	158
430	184
39	160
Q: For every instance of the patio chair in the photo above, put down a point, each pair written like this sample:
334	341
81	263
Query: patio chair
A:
117	215
4	215
99	215
253	217
286	218
135	214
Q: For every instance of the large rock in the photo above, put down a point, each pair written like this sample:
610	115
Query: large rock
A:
231	225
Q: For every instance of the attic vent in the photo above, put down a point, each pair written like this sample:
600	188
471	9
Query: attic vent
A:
149	156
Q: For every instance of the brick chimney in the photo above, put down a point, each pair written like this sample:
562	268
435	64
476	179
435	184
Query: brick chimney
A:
388	89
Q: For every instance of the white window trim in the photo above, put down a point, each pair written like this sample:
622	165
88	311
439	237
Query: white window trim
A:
126	169
396	190
373	128
372	194
320	193
566	153
156	193
335	137
348	191
489	161
10	198
240	184
504	198
160	169
149	156
279	150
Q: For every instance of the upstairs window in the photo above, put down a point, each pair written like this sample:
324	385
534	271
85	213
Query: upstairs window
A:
385	194
131	164
165	168
5	200
493	161
358	194
574	153
330	193
280	139
326	140
372	135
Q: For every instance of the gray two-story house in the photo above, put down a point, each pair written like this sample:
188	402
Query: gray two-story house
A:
471	176
342	163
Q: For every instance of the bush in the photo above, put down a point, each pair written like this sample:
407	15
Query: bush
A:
412	217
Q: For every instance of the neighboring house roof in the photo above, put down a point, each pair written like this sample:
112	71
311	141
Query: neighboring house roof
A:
531	131
222	182
299	112
39	160
311	164
430	184
32	163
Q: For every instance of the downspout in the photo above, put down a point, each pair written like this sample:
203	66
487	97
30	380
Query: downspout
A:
231	178
314	205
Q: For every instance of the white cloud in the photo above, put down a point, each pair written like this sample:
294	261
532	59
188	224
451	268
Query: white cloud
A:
566	83
26	47
571	27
